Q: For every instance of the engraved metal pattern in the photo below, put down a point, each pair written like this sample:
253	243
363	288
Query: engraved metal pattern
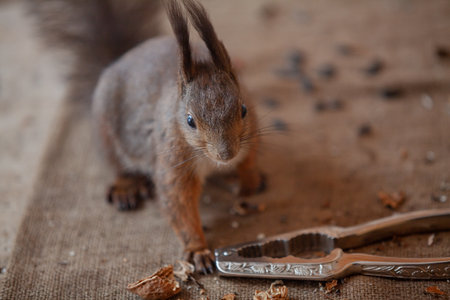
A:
409	271
298	270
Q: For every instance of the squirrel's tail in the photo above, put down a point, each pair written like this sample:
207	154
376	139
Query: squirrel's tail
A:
96	32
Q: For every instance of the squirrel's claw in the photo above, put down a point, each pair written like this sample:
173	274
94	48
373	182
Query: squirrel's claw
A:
128	190
203	261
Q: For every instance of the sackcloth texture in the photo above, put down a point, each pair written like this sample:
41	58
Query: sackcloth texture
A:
73	245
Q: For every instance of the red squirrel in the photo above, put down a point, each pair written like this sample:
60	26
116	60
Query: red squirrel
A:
169	114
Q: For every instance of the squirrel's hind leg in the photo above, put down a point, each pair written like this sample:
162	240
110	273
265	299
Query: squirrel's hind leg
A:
129	189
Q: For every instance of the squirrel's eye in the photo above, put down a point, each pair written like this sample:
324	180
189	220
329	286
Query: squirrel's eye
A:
244	111
191	122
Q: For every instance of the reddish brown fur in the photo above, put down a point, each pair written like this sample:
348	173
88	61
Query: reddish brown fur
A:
140	107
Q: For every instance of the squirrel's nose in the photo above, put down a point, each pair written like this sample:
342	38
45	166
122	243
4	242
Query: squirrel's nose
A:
226	152
225	155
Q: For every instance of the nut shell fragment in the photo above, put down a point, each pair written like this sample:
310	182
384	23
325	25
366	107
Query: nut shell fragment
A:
277	290
158	286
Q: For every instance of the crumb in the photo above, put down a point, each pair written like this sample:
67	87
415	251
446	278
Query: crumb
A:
430	157
229	297
327	71
243	208
331	286
430	240
235	224
185	272
277	290
364	130
427	102
393	200
442	52
434	290
160	285
260	236
391	93
374	67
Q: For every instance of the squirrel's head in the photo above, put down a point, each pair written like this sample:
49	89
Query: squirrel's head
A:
212	113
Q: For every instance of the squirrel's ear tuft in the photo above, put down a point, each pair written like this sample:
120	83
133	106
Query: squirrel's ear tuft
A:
200	21
179	26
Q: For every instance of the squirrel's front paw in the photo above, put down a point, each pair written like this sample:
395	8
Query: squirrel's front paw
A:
253	184
203	260
126	192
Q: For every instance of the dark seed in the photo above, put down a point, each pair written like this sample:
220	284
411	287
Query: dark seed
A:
320	106
442	53
296	58
374	67
279	125
306	84
327	71
271	102
391	92
364	130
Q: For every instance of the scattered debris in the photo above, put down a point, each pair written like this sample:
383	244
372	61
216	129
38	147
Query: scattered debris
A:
427	101
277	290
393	200
72	253
320	106
229	297
445	186
296	59
331	287
430	157
235	224
260	236
333	104
374	67
279	125
2	270
364	130
390	93
160	285
271	102
435	291
243	208
185	272
439	198
442	52
327	71
295	71
63	263
430	240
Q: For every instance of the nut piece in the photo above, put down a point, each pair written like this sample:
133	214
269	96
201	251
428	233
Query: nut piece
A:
331	286
229	297
392	200
277	290
434	290
159	286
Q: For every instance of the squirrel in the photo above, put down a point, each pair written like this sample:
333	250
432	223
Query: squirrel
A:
168	114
